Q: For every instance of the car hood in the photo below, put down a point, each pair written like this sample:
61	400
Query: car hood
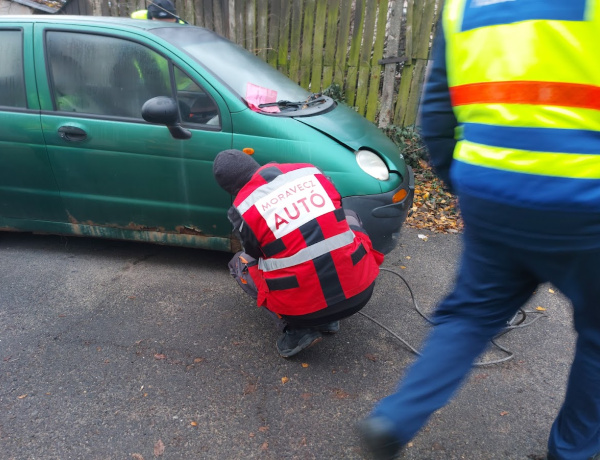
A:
351	129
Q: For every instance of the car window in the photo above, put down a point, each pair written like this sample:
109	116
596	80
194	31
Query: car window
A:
103	75
195	104
12	80
262	87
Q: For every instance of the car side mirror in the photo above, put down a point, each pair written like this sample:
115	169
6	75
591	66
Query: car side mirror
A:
163	110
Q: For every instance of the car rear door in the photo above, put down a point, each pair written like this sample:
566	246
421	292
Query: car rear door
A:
118	175
29	198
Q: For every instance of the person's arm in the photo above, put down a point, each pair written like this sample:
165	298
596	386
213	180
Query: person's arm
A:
438	122
245	234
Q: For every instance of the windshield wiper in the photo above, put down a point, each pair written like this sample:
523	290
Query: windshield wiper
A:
283	105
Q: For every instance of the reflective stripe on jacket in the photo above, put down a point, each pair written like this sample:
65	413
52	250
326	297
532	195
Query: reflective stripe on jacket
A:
311	257
524	81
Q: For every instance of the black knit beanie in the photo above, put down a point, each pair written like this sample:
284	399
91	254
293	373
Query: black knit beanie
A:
233	169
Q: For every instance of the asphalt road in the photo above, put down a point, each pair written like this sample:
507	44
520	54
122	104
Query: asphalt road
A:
115	350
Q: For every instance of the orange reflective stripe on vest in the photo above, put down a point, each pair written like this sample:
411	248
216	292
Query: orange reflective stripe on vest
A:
527	92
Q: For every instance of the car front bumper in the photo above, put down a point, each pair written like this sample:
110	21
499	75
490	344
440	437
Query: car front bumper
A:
381	218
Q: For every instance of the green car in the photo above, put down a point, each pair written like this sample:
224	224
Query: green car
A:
109	128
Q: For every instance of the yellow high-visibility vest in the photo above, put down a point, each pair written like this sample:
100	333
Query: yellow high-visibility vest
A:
140	14
524	80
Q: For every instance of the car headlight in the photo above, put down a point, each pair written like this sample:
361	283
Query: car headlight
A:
374	166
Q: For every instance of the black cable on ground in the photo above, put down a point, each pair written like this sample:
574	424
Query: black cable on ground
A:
517	321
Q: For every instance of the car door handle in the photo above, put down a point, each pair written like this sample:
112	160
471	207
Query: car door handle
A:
72	133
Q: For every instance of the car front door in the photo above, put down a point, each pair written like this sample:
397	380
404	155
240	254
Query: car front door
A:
29	197
118	175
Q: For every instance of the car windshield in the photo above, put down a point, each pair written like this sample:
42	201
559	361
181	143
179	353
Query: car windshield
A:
262	87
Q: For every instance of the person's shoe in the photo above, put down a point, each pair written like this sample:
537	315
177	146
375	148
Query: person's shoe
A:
378	439
329	328
293	341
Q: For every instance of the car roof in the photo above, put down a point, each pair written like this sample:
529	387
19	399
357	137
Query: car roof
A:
83	20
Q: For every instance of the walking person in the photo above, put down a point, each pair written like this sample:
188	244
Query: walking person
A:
511	119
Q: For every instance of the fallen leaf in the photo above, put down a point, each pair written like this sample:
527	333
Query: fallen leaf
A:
159	356
540	308
503	413
264	429
137	456
284	380
131	297
198	360
250	388
341	394
159	448
551	291
402	267
410	444
251	435
423	237
371	357
22	396
193	423
408	257
304	364
265	446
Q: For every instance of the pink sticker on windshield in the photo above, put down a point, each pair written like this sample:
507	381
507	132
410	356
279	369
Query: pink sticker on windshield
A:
256	95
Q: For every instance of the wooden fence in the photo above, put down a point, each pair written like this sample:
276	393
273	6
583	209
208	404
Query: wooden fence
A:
375	51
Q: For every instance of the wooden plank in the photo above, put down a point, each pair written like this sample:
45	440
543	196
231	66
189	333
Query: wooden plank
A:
308	30
295	36
319	40
408	40
366	49
188	14
218	19
426	30
231	33
354	55
240	22
412	105
386	114
198	13
339	75
250	16
284	37
262	28
274	24
333	8
403	93
416	26
376	69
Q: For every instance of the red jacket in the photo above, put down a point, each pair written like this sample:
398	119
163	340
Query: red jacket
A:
309	257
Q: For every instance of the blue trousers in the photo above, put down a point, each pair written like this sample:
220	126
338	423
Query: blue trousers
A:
493	281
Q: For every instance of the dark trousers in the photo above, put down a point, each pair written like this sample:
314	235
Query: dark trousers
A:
238	267
494	280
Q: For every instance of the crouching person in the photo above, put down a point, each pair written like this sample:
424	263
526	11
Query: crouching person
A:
305	260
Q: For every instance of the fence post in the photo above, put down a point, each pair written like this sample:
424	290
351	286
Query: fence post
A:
389	72
308	30
333	8
375	77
